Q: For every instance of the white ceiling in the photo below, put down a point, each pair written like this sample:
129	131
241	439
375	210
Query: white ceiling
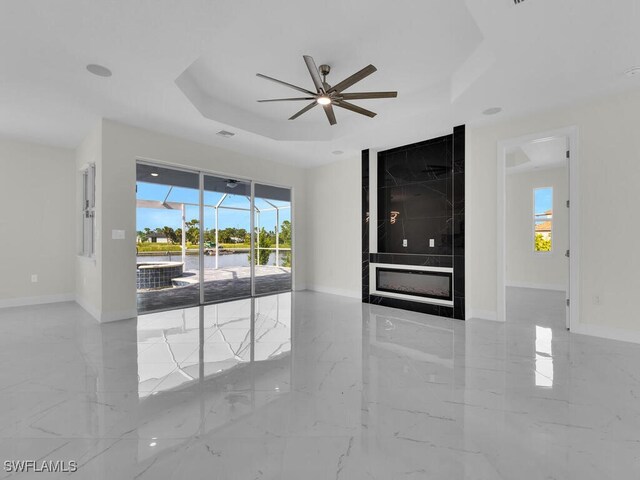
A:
188	68
537	155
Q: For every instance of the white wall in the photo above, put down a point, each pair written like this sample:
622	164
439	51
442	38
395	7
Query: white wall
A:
121	146
524	267
609	175
37	227
89	270
334	227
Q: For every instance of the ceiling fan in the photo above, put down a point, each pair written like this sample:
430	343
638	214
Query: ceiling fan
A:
327	95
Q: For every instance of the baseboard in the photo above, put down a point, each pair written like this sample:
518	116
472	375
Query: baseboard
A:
609	333
539	286
107	317
90	309
335	291
481	314
26	301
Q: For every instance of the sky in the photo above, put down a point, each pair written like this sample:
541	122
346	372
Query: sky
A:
154	218
543	198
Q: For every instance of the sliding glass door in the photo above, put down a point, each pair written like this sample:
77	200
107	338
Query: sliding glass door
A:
168	238
227	218
272	252
206	238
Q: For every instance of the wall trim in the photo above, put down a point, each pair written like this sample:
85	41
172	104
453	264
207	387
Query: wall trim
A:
90	309
482	315
335	291
107	317
26	301
538	286
610	333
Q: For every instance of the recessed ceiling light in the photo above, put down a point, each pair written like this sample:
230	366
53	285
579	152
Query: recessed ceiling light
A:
225	134
154	174
323	100
337	152
99	70
492	111
633	72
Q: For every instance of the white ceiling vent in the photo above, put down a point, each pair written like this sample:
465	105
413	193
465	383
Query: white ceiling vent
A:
225	134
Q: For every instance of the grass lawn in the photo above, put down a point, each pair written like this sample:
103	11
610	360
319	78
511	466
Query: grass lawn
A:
161	247
167	247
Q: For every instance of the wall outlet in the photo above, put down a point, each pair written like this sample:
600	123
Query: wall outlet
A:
432	242
34	278
404	242
596	299
117	234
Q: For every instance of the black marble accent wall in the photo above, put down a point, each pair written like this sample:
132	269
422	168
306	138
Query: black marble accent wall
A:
420	200
415	194
365	226
458	223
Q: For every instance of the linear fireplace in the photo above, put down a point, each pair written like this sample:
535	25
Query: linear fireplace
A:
412	282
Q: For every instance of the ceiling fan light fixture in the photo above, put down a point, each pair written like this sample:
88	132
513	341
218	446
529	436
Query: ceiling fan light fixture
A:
329	96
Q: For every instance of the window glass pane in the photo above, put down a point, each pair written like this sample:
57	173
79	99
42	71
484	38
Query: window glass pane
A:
227	232
273	254
543	219
168	238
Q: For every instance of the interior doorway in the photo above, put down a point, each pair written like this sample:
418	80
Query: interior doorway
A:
537	224
206	238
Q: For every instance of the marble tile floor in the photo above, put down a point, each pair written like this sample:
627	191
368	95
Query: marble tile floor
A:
315	386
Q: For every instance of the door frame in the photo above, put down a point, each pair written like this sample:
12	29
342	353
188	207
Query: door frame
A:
573	293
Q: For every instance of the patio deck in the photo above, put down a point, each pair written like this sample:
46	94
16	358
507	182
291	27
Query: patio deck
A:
221	284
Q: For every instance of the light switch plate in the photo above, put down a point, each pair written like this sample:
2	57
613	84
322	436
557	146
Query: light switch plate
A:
404	242
432	242
117	234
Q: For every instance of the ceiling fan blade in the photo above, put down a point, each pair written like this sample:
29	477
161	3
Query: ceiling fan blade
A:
304	110
300	89
315	76
364	95
356	77
328	109
287	99
354	108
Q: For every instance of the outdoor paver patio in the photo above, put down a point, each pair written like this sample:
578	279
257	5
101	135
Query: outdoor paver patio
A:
220	284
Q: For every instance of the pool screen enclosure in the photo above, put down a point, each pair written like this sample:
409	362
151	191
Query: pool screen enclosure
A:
232	236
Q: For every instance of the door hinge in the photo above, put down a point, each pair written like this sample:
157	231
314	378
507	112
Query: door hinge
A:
567	254
568	153
568	302
568	203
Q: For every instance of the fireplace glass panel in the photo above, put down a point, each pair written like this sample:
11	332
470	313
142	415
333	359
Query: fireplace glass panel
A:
414	282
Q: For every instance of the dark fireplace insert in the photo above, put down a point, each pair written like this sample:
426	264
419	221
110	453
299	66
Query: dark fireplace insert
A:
421	283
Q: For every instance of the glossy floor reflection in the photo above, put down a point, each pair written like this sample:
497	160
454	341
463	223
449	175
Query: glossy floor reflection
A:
314	386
